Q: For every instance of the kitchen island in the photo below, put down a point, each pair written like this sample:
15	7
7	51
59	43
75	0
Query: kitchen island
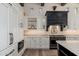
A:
68	48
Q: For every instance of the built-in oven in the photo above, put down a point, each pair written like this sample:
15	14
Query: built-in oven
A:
20	45
54	38
53	43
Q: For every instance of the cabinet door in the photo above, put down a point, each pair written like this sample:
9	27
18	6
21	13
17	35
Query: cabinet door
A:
72	19
35	43
3	27
13	22
28	42
44	43
41	24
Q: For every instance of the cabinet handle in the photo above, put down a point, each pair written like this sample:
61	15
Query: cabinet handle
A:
10	52
11	38
10	4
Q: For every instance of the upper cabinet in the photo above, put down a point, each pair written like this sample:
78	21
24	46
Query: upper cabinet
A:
73	18
41	24
35	23
32	23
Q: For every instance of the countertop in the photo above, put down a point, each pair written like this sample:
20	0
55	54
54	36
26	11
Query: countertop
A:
46	33
72	46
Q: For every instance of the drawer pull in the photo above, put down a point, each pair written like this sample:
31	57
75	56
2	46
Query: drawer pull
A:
10	53
11	38
10	4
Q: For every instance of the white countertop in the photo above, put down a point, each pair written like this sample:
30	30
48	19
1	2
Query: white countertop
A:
45	33
72	46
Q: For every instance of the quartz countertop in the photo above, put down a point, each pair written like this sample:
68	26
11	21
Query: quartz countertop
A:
72	45
35	33
46	33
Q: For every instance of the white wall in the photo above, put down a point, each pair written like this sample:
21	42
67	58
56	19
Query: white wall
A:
40	14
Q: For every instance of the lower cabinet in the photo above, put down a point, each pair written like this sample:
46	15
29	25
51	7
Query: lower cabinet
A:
10	51
44	43
34	43
37	42
28	42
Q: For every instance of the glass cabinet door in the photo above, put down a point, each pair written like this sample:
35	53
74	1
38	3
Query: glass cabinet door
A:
32	23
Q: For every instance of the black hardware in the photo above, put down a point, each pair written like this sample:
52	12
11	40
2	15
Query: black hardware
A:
10	4
63	4
21	4
11	38
42	4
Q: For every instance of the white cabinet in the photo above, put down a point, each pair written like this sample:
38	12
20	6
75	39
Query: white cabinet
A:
20	24
28	42
32	43
44	42
9	21
73	18
37	42
3	27
41	23
38	23
13	22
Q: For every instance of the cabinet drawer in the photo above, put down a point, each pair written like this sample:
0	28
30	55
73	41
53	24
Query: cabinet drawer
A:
44	40
11	51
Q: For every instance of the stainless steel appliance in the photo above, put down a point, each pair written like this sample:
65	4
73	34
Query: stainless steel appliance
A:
54	38
54	29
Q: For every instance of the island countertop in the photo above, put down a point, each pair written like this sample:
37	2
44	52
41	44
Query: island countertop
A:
72	46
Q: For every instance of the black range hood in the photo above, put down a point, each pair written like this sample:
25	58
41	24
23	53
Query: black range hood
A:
56	18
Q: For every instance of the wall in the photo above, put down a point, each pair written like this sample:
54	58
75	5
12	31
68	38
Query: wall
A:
35	10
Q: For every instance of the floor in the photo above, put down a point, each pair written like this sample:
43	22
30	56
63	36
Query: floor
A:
44	52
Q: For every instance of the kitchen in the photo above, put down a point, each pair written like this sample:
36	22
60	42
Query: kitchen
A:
39	29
